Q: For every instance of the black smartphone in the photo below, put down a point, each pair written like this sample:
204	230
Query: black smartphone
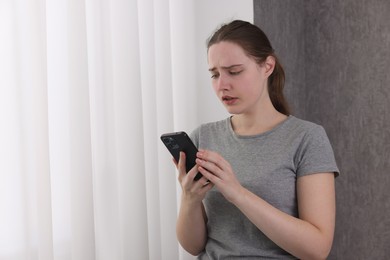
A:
180	142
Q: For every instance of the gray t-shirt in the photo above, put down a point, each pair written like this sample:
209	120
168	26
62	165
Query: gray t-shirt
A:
268	165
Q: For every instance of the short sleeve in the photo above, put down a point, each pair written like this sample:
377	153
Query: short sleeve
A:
315	154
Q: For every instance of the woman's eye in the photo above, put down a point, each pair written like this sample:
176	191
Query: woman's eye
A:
235	72
214	76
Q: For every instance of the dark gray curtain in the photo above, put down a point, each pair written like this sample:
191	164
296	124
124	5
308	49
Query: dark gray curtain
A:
336	55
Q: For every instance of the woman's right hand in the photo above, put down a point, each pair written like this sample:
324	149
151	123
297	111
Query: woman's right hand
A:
193	191
191	229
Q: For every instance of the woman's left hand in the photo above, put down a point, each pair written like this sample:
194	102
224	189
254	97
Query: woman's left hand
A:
219	172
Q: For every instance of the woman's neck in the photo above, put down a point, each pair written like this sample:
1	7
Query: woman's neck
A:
253	124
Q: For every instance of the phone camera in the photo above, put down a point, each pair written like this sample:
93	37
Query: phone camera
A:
168	140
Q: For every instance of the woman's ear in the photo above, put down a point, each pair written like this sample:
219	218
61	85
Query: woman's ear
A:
269	65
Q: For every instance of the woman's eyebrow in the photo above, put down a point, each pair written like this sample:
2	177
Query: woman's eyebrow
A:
226	67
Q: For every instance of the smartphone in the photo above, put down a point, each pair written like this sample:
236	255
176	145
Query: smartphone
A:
180	142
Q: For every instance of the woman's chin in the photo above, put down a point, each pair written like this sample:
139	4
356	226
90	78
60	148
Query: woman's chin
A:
233	110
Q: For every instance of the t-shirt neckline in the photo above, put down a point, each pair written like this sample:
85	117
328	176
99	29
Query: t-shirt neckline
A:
230	127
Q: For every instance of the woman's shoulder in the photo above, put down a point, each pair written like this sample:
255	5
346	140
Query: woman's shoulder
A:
213	126
303	125
210	128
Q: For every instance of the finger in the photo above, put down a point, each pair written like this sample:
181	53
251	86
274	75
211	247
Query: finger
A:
202	185
201	182
210	167
193	172
182	161
181	166
214	179
207	187
213	157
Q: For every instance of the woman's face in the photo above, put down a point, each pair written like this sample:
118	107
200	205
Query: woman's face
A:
238	80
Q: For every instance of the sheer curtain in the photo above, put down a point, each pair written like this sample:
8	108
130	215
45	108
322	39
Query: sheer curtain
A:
86	89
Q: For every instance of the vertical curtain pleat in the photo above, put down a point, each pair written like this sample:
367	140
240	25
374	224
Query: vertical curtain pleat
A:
129	130
59	134
183	81
183	63
12	194
147	41
69	131
105	177
81	193
35	142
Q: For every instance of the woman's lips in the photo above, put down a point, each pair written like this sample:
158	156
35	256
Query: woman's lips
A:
228	100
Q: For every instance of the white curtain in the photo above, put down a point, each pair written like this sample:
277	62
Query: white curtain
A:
86	89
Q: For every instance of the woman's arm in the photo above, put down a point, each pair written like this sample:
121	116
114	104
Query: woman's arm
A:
308	237
191	229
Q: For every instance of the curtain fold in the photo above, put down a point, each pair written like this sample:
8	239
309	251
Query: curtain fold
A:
147	17
31	84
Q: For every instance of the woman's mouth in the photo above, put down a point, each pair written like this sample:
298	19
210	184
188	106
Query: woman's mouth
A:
228	100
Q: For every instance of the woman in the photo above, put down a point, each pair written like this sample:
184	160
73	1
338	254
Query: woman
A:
267	189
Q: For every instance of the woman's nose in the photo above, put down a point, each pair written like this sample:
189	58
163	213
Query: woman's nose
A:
223	83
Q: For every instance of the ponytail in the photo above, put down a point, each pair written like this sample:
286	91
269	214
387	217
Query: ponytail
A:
275	88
